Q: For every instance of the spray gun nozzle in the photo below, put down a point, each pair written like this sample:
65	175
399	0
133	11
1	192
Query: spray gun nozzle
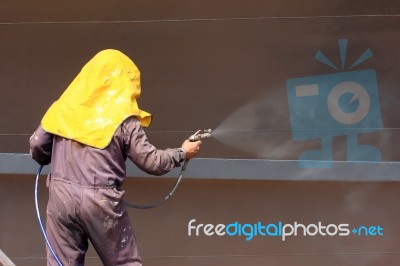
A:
201	134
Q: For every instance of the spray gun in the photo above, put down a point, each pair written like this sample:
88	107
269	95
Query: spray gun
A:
199	135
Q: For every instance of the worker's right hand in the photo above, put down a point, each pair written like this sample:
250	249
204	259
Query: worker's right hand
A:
191	148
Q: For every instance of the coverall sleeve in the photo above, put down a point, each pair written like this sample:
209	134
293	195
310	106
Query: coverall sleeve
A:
41	144
145	156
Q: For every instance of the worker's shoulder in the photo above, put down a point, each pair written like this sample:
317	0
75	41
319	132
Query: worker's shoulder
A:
131	123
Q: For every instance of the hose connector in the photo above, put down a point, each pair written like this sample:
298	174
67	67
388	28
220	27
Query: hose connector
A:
201	134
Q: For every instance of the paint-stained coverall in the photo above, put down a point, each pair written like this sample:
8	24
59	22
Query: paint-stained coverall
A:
85	181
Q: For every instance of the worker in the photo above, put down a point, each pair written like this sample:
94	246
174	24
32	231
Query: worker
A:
87	135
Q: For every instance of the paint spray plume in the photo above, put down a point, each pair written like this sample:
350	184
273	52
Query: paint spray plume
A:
260	128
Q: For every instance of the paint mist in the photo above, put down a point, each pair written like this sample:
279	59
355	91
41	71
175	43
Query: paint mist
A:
261	128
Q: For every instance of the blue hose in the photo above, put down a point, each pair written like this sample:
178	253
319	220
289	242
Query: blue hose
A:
40	220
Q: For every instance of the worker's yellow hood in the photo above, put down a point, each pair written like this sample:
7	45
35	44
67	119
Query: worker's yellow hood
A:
99	99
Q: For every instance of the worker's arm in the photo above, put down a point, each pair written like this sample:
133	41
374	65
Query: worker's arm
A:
151	160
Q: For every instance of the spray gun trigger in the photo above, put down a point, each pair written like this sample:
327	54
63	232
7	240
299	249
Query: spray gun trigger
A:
197	132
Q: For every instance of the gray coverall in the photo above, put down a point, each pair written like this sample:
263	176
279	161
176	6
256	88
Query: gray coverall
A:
85	192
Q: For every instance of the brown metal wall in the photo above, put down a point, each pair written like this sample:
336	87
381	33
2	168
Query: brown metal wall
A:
200	62
162	232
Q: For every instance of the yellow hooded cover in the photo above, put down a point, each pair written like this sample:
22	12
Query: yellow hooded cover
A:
99	99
